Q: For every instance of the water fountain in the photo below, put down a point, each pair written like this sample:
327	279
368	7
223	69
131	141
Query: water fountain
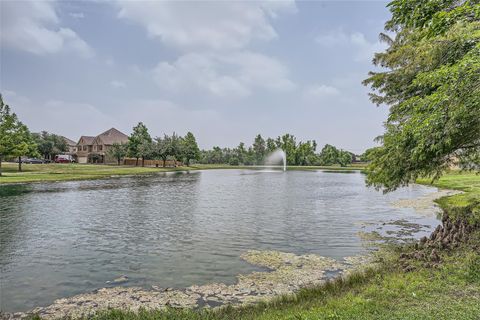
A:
276	157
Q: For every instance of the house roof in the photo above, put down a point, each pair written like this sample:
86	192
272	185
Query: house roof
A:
110	137
69	142
86	139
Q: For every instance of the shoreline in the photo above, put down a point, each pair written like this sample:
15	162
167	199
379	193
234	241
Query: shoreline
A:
46	173
426	205
286	274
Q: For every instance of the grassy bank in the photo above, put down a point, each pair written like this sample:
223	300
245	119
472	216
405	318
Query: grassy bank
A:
66	172
405	283
465	205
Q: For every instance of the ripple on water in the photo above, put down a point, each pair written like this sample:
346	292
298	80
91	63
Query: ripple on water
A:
62	239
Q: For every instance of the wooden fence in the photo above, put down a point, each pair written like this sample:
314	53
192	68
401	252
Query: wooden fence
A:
152	163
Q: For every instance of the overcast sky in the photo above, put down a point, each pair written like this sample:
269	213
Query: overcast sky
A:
223	70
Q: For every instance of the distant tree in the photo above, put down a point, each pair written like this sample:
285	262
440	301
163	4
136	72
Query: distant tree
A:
367	155
190	150
118	151
259	149
330	155
344	158
139	143
8	122
175	147
241	153
15	138
161	148
288	143
305	153
271	145
49	144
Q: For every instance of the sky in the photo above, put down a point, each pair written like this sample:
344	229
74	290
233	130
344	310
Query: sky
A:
225	71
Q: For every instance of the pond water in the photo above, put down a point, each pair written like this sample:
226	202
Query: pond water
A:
178	229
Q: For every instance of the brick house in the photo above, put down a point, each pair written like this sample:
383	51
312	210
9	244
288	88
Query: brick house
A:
95	149
72	145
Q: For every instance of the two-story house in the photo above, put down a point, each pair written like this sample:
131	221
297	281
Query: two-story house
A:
95	149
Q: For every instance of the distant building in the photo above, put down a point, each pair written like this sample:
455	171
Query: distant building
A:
95	149
72	145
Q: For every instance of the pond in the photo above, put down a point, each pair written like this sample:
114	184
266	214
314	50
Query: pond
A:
178	229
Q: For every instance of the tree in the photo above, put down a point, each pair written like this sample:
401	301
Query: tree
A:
49	145
344	158
161	148
15	138
271	145
139	143
259	149
190	148
329	155
175	147
241	153
432	87
305	153
288	144
7	127
118	151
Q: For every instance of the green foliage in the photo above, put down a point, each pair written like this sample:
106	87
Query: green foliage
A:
298	154
432	85
259	149
190	150
15	138
331	155
118	151
49	144
161	148
140	142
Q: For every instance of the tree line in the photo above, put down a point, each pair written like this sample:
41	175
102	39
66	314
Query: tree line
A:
142	146
16	141
300	154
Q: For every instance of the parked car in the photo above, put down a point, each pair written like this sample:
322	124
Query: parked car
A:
64	158
28	160
33	161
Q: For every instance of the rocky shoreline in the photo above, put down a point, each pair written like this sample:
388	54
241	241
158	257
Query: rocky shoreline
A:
287	274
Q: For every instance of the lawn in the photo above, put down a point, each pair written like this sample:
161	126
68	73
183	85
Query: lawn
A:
465	204
63	172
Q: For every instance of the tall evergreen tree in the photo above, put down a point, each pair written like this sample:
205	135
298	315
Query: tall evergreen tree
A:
190	150
259	149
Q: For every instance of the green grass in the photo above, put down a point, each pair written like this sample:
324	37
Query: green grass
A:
467	204
65	172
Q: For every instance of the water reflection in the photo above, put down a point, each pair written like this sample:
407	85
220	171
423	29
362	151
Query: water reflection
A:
177	229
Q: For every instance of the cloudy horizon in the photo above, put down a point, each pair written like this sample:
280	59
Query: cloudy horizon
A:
224	70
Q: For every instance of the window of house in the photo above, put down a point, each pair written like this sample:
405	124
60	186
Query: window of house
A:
100	148
84	148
